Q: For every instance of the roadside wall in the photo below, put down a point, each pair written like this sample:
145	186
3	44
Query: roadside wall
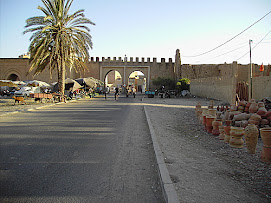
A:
221	88
261	87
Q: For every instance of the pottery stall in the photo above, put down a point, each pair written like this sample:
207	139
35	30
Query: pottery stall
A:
240	125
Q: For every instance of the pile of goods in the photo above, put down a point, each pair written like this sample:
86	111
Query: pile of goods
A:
231	123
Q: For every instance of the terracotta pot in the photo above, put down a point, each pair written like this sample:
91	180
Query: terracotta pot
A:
242	103
198	110
221	132
266	136
226	115
266	151
227	130
247	107
204	121
212	112
209	120
236	134
255	117
204	111
211	104
261	107
266	154
228	122
233	107
216	124
253	108
251	138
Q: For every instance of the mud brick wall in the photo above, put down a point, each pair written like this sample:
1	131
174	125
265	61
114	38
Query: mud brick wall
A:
261	87
220	88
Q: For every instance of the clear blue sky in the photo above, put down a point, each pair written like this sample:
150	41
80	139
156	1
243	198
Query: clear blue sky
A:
156	28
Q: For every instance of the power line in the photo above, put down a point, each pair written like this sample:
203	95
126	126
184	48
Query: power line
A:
224	53
255	45
231	38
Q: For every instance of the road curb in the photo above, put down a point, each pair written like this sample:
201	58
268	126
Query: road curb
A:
169	192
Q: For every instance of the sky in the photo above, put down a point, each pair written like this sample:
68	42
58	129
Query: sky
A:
156	28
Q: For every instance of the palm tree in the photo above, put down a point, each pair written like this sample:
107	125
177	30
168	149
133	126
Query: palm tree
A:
59	41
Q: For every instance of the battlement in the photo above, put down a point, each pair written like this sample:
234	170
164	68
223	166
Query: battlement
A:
129	60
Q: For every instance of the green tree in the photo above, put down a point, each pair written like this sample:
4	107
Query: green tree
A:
59	41
183	84
167	82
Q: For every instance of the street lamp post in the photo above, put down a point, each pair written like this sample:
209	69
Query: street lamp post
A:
250	93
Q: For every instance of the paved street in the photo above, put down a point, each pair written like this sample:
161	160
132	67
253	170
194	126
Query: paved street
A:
86	151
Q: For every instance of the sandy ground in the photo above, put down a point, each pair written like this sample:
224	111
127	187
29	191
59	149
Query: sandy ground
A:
7	105
203	168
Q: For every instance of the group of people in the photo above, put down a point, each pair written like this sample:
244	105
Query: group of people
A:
130	90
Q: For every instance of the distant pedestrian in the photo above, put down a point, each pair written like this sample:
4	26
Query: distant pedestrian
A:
116	93
71	94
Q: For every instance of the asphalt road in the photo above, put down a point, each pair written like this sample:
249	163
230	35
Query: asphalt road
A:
86	151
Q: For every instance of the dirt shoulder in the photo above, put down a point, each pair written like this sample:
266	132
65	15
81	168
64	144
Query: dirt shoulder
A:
7	105
203	168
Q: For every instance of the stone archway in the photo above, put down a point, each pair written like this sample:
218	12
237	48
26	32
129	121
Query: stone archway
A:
125	72
13	77
113	78
138	80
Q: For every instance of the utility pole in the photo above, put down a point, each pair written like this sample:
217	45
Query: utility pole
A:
250	93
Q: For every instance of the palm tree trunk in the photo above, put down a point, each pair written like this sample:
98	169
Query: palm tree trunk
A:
61	82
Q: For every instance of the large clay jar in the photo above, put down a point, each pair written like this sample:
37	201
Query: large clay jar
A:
253	108
266	151
209	121
216	124
251	138
236	134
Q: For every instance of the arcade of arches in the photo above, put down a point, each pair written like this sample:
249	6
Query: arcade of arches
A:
136	79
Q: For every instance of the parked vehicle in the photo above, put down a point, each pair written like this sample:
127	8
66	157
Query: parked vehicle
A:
24	91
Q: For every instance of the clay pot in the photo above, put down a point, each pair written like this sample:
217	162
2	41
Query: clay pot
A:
262	110
253	108
247	107
266	136
236	134
255	117
211	104
212	112
218	115
209	121
251	138
221	132
204	121
233	107
241	116
228	122
198	109
227	115
266	151
227	130
242	103
216	124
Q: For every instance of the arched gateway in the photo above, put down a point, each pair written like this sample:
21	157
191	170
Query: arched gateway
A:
150	69
97	69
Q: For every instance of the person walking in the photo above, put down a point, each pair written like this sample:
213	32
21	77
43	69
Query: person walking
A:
116	93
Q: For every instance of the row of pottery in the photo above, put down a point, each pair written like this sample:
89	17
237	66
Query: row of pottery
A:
233	135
